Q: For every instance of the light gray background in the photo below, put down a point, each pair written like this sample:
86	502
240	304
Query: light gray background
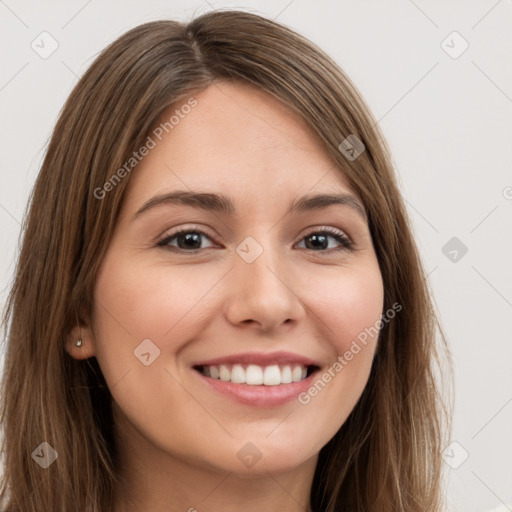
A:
448	122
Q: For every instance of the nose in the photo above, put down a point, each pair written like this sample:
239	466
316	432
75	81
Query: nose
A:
261	293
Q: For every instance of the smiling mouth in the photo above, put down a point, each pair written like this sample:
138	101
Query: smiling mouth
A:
256	375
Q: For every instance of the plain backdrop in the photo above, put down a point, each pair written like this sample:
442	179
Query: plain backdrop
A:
446	111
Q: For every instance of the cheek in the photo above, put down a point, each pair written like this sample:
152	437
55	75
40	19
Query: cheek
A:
349	303
156	303
135	303
349	308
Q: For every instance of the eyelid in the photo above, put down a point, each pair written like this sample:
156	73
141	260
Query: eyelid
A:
330	229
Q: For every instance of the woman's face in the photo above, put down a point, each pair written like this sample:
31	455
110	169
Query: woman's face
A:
252	289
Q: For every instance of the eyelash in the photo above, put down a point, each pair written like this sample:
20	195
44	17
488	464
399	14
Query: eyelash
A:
339	236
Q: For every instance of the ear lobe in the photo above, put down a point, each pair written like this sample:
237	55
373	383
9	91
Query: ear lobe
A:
80	343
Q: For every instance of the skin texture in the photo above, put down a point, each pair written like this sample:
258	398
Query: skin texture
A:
179	439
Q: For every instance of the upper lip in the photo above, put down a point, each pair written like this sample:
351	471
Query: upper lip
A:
260	359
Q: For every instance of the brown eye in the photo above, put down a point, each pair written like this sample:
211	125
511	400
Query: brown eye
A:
319	240
186	240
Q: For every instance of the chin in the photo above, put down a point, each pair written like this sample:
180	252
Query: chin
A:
258	458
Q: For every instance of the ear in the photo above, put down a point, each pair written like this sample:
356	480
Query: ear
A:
84	332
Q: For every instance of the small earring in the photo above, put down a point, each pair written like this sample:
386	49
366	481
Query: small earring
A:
79	342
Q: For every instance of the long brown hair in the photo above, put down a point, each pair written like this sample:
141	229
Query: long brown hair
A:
387	455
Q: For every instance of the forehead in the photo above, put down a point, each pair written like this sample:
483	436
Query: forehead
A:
238	138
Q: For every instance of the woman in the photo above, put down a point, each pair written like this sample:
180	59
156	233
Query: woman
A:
218	302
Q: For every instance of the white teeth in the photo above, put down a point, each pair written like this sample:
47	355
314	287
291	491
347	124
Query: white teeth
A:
237	374
297	374
255	375
224	373
286	375
272	376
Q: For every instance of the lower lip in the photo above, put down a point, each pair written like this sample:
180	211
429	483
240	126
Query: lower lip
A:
259	396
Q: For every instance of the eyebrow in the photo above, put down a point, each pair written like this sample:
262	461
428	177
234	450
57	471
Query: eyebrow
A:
223	204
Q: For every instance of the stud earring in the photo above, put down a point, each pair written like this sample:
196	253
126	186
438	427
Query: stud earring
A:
79	342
